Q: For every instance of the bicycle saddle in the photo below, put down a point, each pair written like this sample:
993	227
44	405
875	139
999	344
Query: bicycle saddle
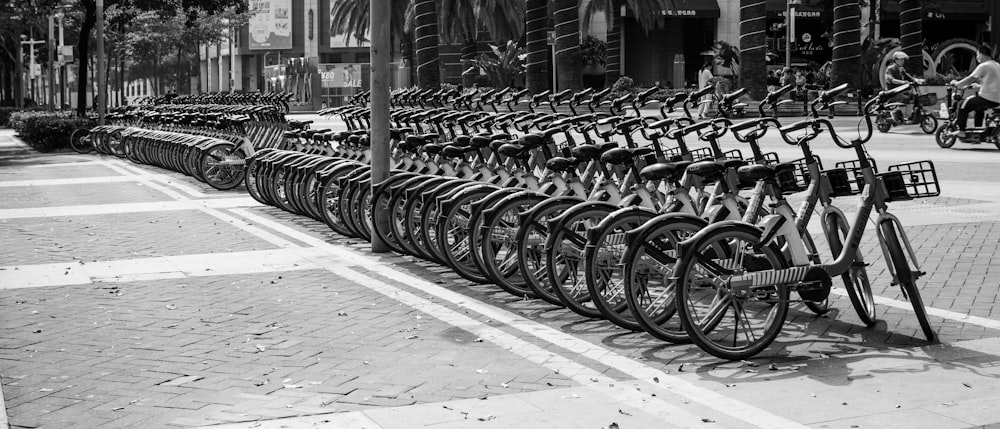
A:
621	155
462	141
479	142
513	150
560	164
433	148
341	136
451	151
531	141
501	136
585	152
755	172
495	144
670	171
415	141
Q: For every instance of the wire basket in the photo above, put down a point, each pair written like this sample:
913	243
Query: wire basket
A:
798	178
733	154
918	179
853	180
771	158
702	154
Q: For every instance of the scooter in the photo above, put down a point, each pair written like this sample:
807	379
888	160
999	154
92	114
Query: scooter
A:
884	120
988	133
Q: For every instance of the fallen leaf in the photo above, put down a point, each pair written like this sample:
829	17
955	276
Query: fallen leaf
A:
622	412
292	386
481	371
45	390
411	337
748	363
171	307
967	385
772	367
117	408
490	417
260	347
656	379
707	420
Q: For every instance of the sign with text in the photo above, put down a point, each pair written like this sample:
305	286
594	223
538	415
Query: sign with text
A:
270	24
341	75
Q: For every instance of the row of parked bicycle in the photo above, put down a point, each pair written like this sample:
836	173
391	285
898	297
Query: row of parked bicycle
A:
582	212
608	213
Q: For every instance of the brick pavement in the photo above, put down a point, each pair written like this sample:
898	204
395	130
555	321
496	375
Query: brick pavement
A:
179	347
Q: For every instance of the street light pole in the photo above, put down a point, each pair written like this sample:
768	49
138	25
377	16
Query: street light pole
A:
102	85
380	76
52	77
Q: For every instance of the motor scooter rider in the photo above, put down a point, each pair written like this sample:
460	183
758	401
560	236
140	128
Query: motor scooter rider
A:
987	73
896	75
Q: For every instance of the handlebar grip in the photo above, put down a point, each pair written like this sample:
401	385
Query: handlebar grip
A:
702	92
833	92
645	94
601	94
795	127
580	95
521	93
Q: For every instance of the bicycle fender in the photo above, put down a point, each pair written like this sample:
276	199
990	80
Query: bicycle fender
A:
662	220
527	196
392	180
547	204
492	198
727	225
583	206
447	200
613	217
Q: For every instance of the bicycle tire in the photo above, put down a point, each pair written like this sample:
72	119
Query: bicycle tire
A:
454	228
499	253
928	124
79	141
942	138
859	289
904	277
720	241
532	251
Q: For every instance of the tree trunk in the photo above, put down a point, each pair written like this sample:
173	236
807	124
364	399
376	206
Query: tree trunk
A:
83	49
753	47
568	67
613	53
468	55
156	74
846	43
537	46
911	35
180	75
428	64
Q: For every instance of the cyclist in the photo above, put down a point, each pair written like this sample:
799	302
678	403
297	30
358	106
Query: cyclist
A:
897	75
987	73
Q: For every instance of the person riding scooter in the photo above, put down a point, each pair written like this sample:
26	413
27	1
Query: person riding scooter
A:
987	73
896	75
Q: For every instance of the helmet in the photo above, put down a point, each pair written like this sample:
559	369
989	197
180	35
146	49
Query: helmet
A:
900	55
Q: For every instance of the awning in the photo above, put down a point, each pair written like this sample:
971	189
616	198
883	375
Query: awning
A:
803	9
692	9
963	10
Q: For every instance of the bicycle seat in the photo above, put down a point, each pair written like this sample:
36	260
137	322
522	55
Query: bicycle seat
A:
755	172
513	150
414	141
617	156
531	141
479	142
501	136
495	144
560	164
433	148
706	169
661	171
585	152
462	141
641	151
452	151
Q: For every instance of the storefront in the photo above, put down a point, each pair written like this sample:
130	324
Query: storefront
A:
672	53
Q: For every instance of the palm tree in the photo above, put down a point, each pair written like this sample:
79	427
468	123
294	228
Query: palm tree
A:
426	29
753	47
536	32
503	19
648	13
911	35
846	42
567	22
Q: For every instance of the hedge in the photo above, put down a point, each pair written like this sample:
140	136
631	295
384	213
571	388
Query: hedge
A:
46	132
5	113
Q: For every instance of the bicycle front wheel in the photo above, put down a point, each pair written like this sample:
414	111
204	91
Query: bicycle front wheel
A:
897	259
725	323
80	141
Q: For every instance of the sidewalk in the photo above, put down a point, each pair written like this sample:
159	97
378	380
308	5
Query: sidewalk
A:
135	297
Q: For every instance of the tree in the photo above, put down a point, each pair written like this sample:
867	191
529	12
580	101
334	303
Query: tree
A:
753	47
536	33
846	43
426	29
911	35
567	25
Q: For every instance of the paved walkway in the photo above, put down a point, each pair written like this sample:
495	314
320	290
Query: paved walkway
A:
135	297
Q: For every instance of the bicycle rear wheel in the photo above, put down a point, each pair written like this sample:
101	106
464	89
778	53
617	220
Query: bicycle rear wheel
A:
905	277
859	289
724	323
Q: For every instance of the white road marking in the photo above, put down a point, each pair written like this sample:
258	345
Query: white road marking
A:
641	372
100	209
944	314
155	268
132	170
61	182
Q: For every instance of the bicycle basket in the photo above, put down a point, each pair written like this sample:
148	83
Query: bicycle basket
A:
788	181
701	154
733	154
801	173
841	182
855	178
927	99
895	185
918	178
771	158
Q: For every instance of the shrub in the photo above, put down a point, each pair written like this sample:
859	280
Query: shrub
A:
46	132
5	113
624	85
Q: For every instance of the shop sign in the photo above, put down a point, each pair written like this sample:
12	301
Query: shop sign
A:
270	24
803	14
680	12
340	75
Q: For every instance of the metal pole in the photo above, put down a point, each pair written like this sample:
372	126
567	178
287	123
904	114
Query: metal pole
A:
102	85
62	64
380	76
788	34
19	92
52	61
31	65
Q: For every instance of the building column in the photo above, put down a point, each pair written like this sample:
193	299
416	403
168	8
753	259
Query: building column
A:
236	65
225	73
727	27
213	68
311	11
202	70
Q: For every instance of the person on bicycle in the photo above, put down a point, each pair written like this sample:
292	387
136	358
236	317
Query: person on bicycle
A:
987	73
897	75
